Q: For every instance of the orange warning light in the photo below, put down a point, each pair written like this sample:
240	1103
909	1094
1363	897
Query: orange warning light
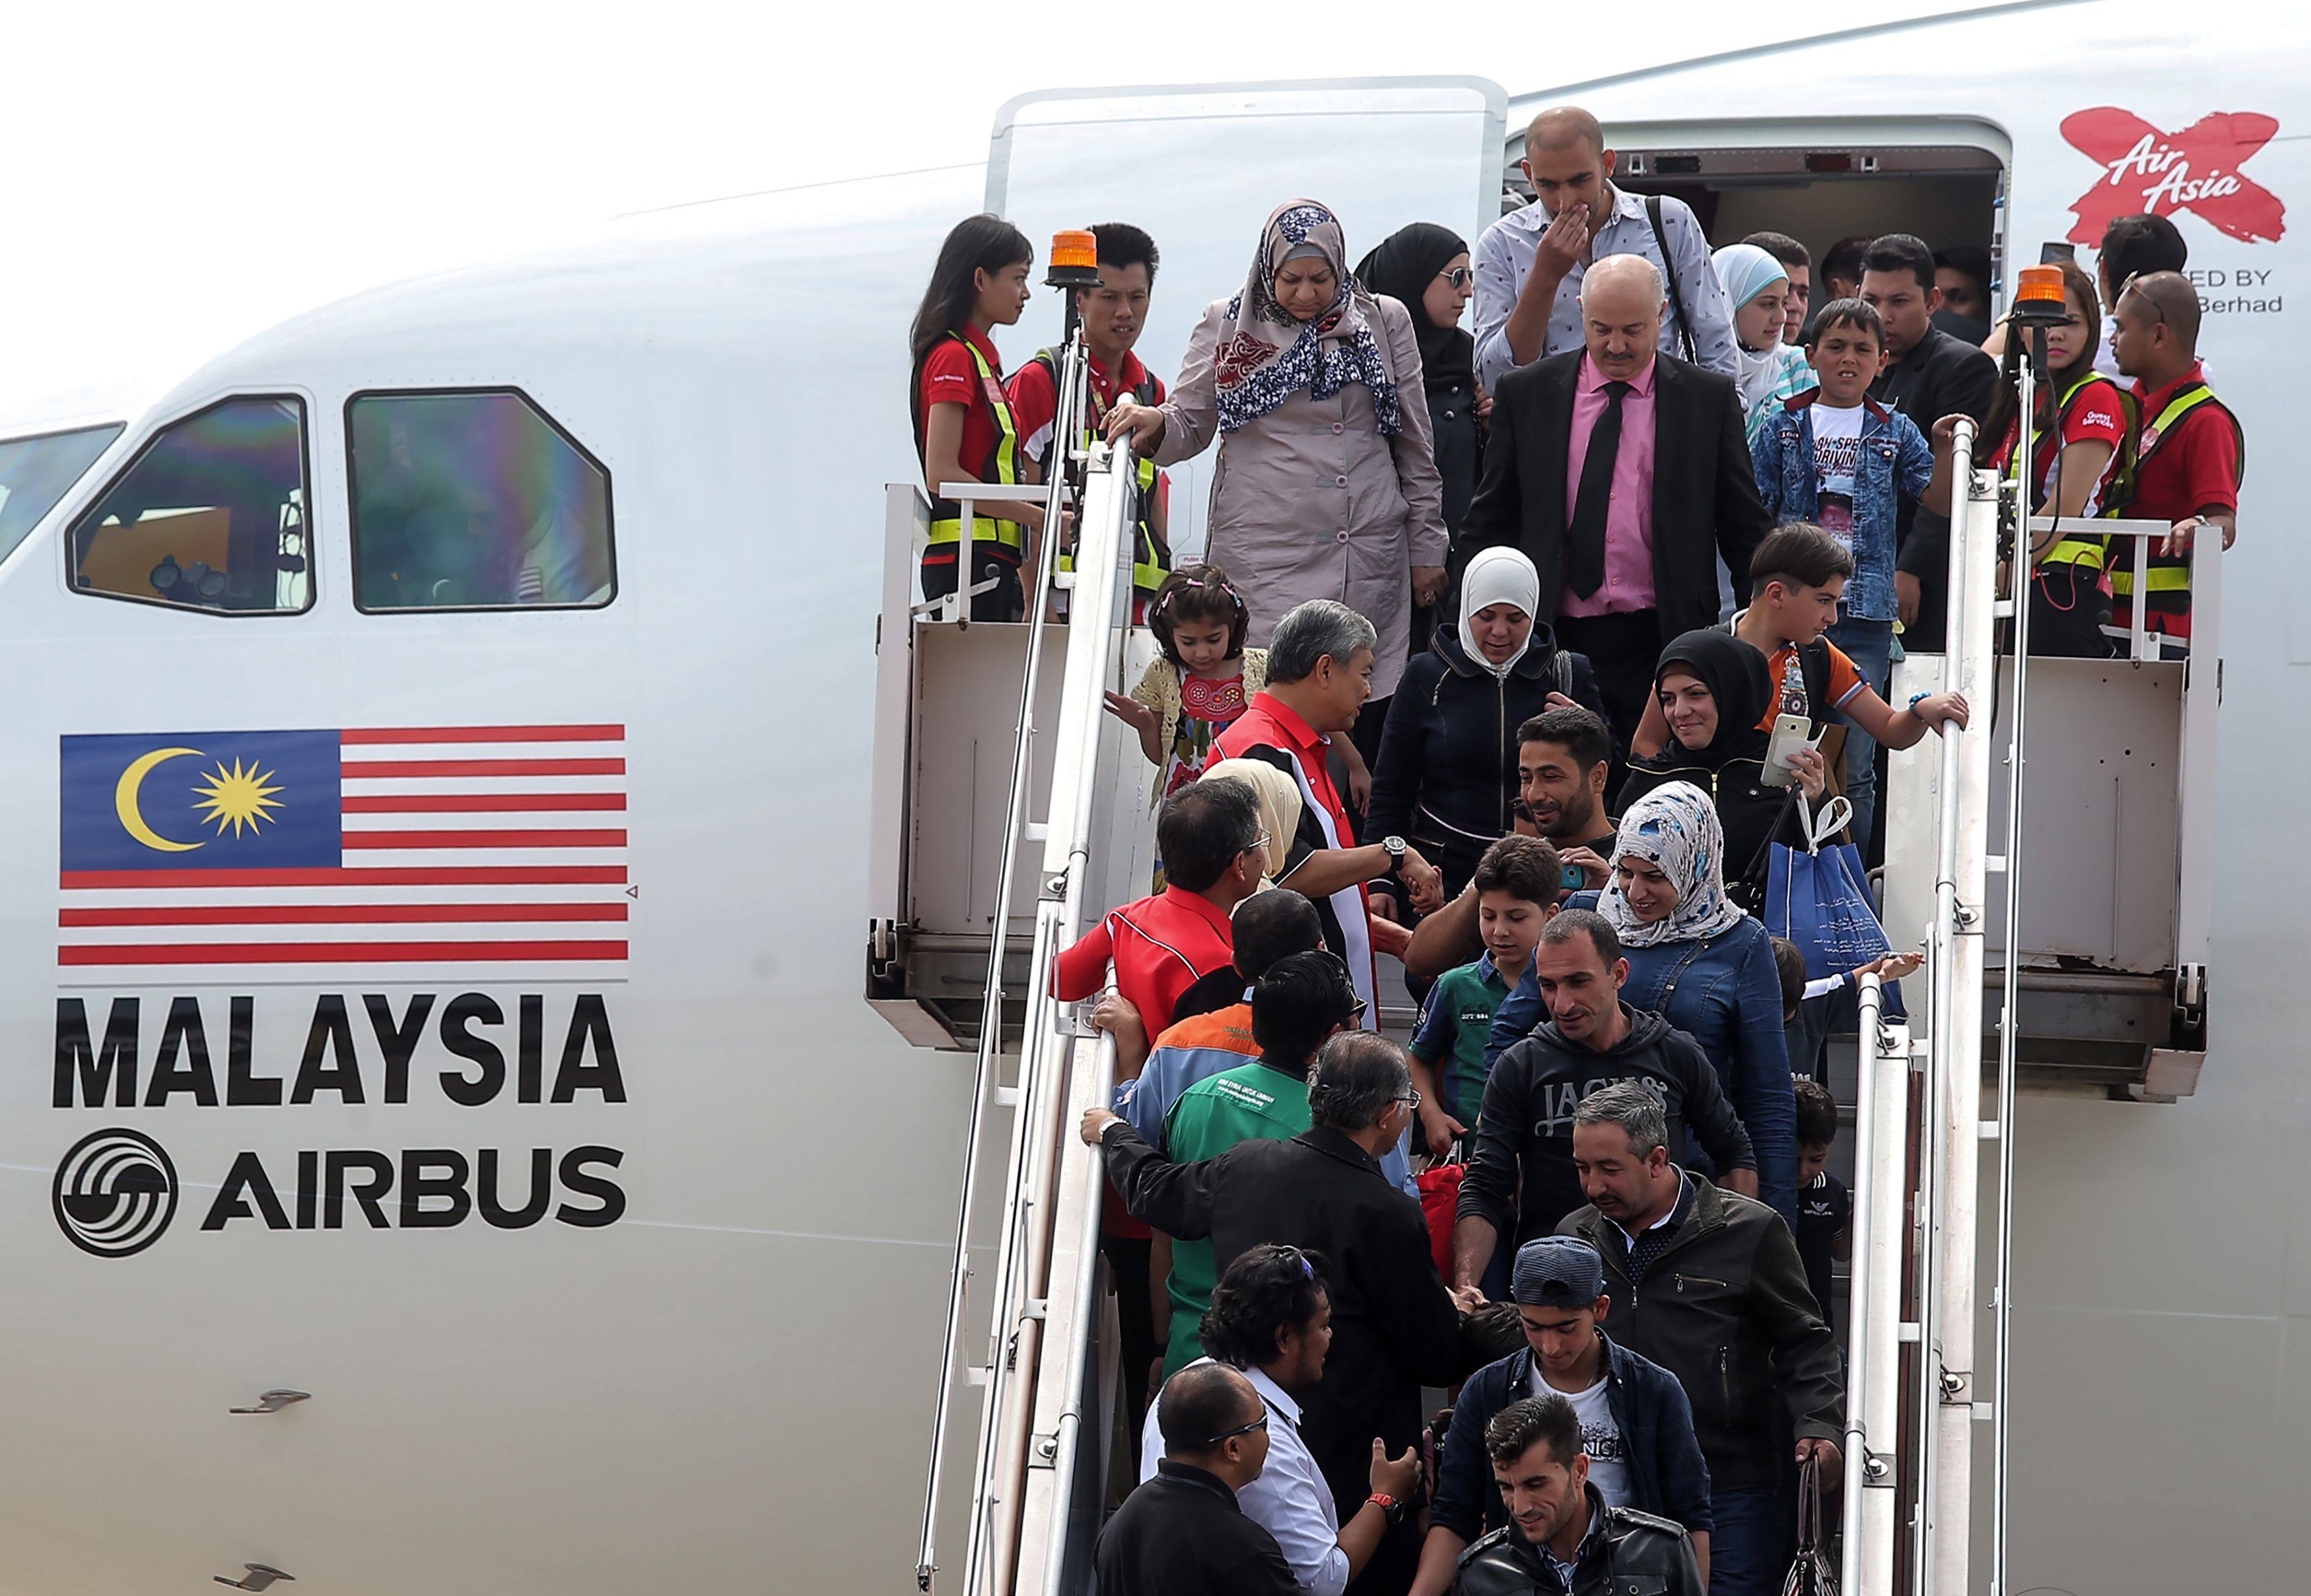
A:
1074	248
2039	284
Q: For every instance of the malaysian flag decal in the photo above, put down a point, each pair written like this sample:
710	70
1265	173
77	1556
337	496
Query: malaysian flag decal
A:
387	848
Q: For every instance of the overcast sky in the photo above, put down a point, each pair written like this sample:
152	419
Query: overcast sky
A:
178	177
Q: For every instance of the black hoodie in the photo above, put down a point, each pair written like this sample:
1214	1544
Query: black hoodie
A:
1526	1124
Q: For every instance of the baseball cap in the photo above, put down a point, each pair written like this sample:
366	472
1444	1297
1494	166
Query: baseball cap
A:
1558	1271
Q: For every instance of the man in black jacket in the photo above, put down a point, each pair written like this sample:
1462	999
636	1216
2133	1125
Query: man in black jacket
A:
1637	1425
1521	1174
1181	1532
1561	1539
1929	374
1394	1326
1600	455
1708	1285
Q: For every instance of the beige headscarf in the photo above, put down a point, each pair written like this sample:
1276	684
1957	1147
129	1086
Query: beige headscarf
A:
1279	805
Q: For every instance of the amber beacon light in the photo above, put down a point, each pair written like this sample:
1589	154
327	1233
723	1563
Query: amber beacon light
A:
1075	259
2038	295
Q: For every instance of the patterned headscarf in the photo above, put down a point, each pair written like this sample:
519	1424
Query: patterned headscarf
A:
1267	354
1675	828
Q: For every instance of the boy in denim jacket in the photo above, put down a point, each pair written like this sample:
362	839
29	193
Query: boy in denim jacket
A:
1836	457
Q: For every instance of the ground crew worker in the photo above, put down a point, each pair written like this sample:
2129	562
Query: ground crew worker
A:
2192	456
1113	316
964	428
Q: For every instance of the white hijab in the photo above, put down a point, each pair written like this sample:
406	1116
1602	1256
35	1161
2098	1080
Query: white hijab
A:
1497	576
1746	271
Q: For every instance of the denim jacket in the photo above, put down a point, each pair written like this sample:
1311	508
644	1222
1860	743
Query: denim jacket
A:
1667	1473
1725	994
1896	465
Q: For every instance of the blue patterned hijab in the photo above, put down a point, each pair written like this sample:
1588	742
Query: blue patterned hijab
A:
1674	827
1266	354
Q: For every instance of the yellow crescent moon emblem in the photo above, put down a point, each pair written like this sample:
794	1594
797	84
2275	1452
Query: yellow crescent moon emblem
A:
124	799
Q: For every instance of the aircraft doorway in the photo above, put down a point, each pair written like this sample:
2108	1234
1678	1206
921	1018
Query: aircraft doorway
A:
1944	182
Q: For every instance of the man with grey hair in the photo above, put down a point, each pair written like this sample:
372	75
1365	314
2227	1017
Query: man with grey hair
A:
1623	474
1532	266
1319	667
1714	1293
1394	1326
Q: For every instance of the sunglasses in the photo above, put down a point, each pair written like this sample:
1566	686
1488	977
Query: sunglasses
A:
1258	1424
1458	276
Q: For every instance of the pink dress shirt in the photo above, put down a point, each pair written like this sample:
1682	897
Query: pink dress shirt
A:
1628	584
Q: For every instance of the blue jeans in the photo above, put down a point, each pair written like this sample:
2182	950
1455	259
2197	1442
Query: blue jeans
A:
1750	1539
1870	644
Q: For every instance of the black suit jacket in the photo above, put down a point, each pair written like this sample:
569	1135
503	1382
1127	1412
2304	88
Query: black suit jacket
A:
1706	500
1394	1326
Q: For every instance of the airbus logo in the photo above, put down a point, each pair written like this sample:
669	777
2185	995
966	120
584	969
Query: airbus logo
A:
115	1193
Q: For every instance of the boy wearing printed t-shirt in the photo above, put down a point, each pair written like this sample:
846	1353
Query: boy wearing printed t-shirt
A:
1841	460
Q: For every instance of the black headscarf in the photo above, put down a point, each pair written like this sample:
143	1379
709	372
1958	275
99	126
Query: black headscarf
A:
1402	267
1737	677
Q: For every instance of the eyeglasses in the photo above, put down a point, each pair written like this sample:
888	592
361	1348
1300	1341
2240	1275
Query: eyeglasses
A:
1458	276
1412	1097
1257	845
1258	1424
1356	1012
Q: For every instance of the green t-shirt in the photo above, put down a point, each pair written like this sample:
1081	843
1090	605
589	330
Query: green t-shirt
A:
1250	1102
1453	1029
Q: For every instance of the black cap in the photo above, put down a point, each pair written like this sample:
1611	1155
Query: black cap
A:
1558	1271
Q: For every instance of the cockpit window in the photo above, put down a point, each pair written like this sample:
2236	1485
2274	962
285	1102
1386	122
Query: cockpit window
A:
36	472
211	514
474	500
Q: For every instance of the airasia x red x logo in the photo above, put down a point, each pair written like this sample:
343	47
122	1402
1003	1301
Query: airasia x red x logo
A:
2196	169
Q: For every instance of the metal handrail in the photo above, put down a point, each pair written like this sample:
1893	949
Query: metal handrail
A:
990	1029
1873	1366
1044	1185
2009	1028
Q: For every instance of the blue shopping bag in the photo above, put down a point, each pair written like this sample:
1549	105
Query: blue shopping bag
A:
1817	896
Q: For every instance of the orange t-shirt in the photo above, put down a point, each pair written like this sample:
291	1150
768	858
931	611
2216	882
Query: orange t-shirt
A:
1788	671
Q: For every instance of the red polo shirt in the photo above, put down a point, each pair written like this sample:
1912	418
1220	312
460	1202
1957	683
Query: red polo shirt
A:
1035	399
2196	466
1161	946
1267	722
950	377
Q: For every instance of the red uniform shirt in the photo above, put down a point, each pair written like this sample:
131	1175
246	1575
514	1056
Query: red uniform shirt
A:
2194	467
1161	945
1035	399
1267	722
950	377
2094	415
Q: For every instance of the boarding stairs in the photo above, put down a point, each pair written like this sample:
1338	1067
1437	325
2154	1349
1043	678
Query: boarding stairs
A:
2083	914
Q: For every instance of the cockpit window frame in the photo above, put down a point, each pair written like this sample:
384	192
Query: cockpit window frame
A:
484	390
150	441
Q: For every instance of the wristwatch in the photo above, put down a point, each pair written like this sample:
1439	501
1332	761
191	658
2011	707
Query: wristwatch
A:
1389	1505
1394	846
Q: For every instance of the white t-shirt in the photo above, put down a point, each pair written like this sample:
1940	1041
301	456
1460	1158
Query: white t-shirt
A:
1837	456
1600	1436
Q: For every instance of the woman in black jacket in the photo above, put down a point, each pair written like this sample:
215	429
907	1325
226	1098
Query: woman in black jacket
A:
1447	776
1714	690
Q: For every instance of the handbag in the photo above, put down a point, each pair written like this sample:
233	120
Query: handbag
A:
1817	896
1812	1574
1440	1204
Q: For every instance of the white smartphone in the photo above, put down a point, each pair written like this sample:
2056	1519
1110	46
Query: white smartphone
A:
1790	736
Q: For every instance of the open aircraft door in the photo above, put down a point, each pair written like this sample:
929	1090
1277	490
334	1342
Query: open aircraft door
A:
1200	168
